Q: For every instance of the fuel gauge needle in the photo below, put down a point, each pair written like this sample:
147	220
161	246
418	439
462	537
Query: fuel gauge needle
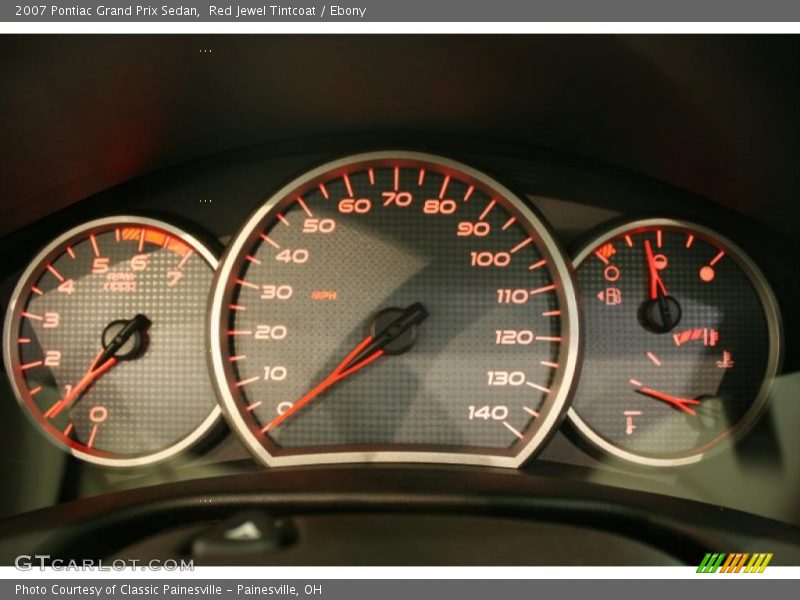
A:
679	403
368	350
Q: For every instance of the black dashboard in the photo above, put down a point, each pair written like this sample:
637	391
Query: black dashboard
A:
566	266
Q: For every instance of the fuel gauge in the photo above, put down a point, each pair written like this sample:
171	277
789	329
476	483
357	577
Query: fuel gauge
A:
682	342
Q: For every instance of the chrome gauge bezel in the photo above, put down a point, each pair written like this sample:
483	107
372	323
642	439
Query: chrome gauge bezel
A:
561	269
773	319
11	350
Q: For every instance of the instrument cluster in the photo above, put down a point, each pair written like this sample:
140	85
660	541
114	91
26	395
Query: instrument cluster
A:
392	306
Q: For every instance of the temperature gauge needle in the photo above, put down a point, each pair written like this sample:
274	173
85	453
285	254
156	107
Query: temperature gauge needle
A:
103	361
679	403
368	350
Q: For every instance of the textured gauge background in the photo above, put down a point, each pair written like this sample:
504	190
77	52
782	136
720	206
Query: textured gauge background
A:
392	255
722	352
157	403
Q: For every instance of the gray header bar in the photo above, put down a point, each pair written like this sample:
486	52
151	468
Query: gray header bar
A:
210	11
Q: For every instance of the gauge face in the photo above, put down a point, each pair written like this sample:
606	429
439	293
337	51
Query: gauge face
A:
682	342
394	307
104	341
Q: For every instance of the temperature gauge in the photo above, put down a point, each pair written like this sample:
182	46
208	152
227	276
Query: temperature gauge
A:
682	342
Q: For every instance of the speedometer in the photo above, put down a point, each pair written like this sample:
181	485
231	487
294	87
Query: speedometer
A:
394	306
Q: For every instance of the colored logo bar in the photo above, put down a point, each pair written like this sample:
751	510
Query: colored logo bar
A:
736	562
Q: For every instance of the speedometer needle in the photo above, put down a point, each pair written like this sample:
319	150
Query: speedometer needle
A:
679	403
369	349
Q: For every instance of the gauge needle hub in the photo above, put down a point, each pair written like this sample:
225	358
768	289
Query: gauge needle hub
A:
368	350
102	362
661	312
684	404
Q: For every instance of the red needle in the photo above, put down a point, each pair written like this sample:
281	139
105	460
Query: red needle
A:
337	374
92	373
680	403
655	278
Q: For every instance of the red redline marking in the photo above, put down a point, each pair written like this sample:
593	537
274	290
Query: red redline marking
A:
68	429
636	382
31	365
240	332
37	291
470	189
141	239
237	357
541	290
537	265
324	191
167	240
445	183
536	386
348	185
509	223
552	313
90	443
55	273
247	284
94	245
397	179
253	259
371	176
71	252
628	241
521	245
690	240
717	258
549	364
547	338
282	219
247	381
253	406
654	358
24	341
237	307
35	390
421	177
186	257
269	240
28	315
304	206
658	238
486	210
601	257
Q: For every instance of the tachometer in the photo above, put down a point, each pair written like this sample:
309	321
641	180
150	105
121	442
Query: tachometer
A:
104	341
682	342
394	306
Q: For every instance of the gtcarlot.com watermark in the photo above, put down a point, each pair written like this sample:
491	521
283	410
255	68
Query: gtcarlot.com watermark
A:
28	562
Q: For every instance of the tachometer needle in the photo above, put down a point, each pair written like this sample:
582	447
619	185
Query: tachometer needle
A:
103	361
679	403
369	349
